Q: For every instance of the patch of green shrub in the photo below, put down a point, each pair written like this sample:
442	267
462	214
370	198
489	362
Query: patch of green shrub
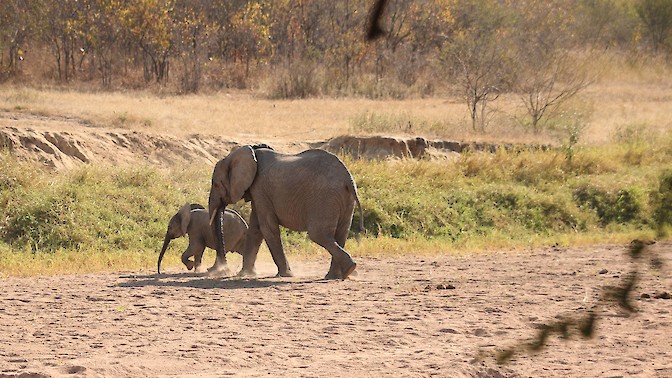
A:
620	206
511	198
42	223
90	208
662	202
435	200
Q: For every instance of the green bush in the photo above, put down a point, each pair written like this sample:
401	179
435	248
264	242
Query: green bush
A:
89	208
43	223
437	200
621	206
662	201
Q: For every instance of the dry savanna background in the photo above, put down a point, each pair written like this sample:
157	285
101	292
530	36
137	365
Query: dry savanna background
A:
513	161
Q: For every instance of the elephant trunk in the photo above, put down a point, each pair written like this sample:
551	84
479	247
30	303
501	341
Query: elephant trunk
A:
214	203
166	241
216	207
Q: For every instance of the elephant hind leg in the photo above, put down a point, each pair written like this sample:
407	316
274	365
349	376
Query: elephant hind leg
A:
341	238
342	264
342	233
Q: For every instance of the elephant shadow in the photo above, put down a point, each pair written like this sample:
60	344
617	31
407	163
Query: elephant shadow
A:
199	281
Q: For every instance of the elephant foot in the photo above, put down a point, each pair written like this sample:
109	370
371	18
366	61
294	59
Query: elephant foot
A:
219	270
340	273
332	276
348	271
287	273
246	273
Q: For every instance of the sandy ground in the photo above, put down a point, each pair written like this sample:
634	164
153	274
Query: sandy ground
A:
397	317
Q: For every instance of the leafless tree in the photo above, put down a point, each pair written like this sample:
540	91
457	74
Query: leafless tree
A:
550	83
478	55
479	66
549	70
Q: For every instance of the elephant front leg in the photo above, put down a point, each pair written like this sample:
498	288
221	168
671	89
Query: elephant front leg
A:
186	258
272	236
195	250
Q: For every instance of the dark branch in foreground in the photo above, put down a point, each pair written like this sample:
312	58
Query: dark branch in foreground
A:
584	324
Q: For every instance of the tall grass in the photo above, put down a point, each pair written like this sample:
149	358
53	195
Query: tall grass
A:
117	215
509	197
114	218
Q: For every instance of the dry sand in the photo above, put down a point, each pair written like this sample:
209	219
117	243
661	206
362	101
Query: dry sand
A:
397	317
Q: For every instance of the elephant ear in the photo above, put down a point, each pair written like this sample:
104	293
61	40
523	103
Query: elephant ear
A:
185	217
242	171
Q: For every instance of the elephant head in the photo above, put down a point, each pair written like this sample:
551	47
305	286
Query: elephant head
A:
177	227
231	178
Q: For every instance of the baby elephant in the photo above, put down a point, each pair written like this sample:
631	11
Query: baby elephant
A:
192	219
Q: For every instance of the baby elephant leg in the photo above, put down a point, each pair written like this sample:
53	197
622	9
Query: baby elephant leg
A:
195	251
186	259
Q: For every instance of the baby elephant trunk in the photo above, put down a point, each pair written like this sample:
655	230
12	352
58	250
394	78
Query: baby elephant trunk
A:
166	241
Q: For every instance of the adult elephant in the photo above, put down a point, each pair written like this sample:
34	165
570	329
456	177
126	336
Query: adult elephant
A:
311	191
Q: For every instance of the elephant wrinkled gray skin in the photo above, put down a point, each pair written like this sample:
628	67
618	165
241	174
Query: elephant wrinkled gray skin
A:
193	220
311	191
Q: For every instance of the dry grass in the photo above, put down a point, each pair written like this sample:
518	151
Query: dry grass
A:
626	96
232	114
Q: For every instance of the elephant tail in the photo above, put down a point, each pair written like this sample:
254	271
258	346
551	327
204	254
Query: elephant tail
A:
361	216
353	188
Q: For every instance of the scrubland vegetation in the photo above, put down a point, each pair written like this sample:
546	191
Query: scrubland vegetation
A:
98	218
591	78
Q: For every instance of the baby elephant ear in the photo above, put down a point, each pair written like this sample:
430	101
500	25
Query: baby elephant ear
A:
185	217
